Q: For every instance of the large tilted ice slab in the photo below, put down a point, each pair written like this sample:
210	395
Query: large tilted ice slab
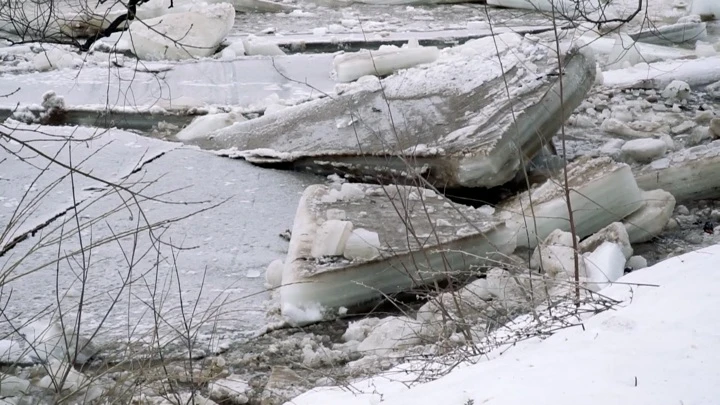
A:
398	237
672	34
450	121
688	174
657	75
601	192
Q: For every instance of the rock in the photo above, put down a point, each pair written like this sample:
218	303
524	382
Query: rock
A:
11	386
643	150
229	390
676	90
650	220
615	233
715	127
636	263
391	334
283	384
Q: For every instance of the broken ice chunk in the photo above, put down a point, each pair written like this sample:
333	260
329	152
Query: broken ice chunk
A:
259	46
649	221
331	238
203	125
643	150
391	258
362	245
386	60
273	274
456	107
605	265
186	35
688	174
601	192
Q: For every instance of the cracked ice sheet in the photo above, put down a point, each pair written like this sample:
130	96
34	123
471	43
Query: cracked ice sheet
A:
34	190
241	82
232	243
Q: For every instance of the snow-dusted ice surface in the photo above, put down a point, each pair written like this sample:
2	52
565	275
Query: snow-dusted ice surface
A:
242	82
221	216
658	347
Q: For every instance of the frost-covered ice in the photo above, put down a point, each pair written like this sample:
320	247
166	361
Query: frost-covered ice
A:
453	117
316	286
657	335
688	174
602	192
192	34
386	60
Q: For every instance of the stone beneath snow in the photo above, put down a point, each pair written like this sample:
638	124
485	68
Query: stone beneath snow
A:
643	150
650	220
391	334
451	121
188	35
615	233
605	265
386	60
636	263
689	174
672	34
412	249
602	192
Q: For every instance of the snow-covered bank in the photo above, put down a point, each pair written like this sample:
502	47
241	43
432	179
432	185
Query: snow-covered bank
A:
659	347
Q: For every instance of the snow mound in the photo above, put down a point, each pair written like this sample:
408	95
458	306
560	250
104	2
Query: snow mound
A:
187	35
658	347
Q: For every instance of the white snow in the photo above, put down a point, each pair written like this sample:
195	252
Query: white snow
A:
202	126
386	60
187	35
658	347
